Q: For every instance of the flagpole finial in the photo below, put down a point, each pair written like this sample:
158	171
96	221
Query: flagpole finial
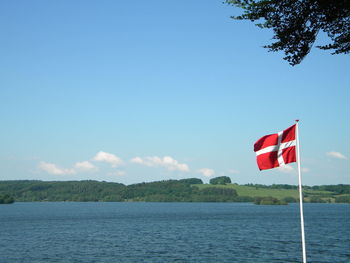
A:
296	120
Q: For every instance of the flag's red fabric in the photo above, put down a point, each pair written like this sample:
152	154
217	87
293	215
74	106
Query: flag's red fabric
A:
277	149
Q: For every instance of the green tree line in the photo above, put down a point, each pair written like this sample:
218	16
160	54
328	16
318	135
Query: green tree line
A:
83	191
185	190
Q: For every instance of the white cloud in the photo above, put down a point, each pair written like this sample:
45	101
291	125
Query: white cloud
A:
85	166
337	155
108	158
286	169
305	170
166	162
137	160
117	173
206	172
290	170
233	171
52	168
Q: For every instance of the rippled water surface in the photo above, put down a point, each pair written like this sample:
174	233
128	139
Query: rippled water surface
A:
172	232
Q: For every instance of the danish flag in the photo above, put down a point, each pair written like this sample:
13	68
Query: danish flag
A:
277	149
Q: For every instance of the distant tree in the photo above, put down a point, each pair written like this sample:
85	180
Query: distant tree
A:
220	180
191	181
338	189
316	199
343	199
283	186
269	200
289	199
244	199
296	24
6	199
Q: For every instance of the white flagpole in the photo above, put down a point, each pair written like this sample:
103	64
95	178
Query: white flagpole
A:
300	194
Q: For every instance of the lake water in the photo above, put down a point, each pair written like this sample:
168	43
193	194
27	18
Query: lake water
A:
172	232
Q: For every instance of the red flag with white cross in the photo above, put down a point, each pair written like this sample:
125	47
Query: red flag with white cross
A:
276	149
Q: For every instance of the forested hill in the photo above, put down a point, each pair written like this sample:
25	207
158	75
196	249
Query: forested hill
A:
32	190
83	191
220	189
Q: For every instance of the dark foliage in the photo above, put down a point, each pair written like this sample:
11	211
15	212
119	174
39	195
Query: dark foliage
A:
6	199
274	186
216	194
343	199
170	190
316	199
269	200
339	189
81	191
296	24
191	181
220	180
290	199
244	199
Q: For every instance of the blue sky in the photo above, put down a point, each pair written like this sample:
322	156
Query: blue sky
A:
133	91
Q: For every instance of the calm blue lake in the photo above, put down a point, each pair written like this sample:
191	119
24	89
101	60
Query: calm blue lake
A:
172	232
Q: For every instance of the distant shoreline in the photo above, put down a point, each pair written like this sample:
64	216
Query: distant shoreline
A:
185	190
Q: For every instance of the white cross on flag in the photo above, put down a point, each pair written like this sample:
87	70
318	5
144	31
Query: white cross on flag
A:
277	149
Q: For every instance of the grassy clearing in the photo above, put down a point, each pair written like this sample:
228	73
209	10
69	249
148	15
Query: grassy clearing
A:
243	190
317	192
